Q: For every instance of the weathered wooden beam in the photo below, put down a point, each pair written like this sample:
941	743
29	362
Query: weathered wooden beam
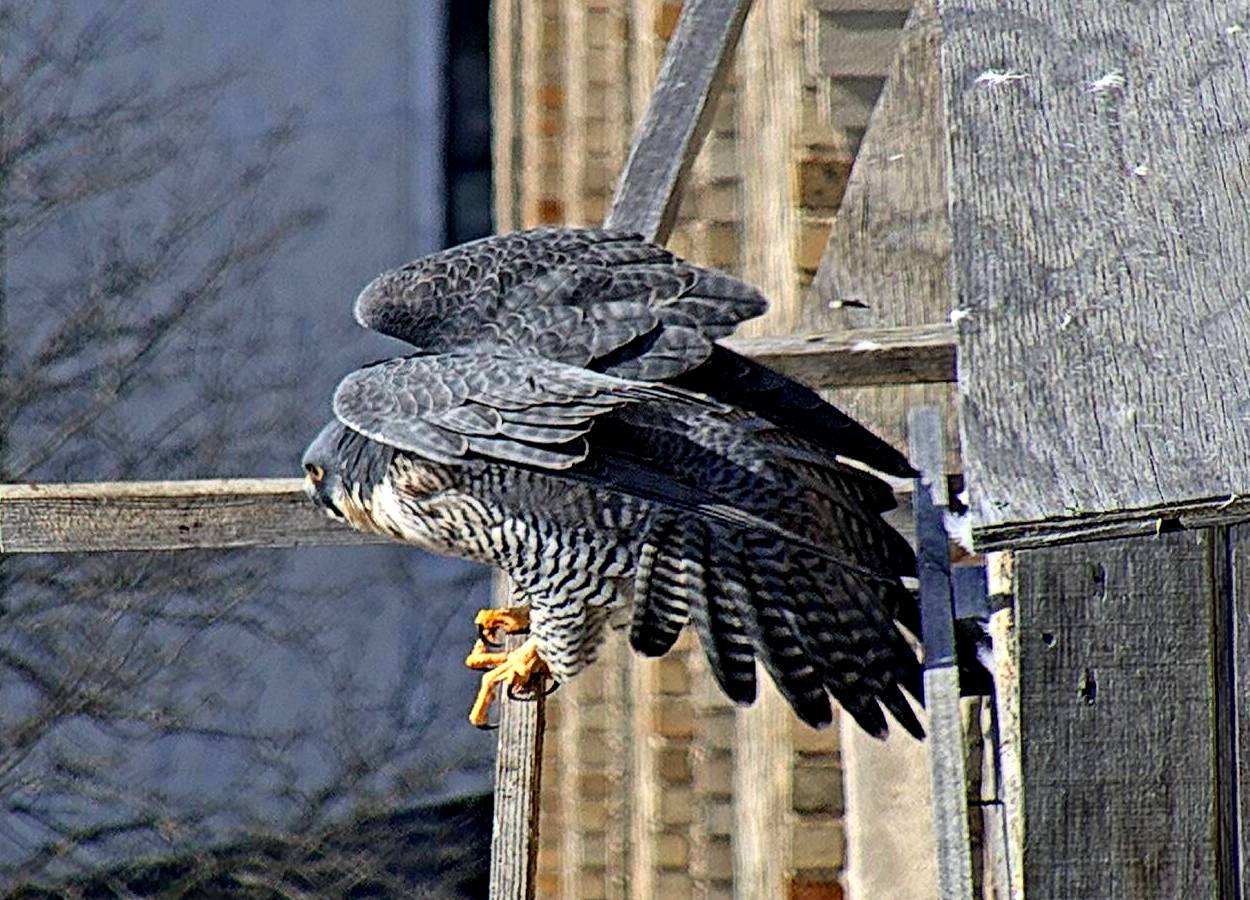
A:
1232	682
274	512
941	674
518	781
164	515
192	515
518	785
863	357
1112	524
677	117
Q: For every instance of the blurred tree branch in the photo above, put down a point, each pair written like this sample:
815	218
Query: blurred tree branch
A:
129	241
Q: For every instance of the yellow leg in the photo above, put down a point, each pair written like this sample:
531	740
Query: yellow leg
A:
518	670
509	620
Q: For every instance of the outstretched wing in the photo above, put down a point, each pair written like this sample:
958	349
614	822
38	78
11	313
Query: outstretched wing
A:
603	300
495	404
610	302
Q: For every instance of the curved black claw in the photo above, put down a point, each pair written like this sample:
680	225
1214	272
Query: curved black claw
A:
487	637
528	696
487	726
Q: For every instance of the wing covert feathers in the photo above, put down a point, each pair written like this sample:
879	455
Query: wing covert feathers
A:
599	299
501	405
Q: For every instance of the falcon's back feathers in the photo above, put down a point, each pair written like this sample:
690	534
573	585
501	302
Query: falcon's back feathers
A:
706	487
601	300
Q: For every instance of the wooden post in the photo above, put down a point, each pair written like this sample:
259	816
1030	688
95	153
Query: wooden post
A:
677	117
518	783
941	675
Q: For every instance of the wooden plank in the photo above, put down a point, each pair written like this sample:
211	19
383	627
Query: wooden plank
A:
1101	260
1007	846
1204	513
190	515
1117	717
677	116
1233	677
911	354
165	515
941	674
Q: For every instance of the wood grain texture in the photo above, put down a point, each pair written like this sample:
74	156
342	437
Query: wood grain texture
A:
165	515
677	117
190	515
890	243
518	785
1098	209
1204	513
1233	676
917	354
1004	639
1117	717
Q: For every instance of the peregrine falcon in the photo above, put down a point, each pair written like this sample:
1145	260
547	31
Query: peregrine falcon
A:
567	416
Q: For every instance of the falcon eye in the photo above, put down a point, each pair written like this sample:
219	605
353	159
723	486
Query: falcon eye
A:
315	472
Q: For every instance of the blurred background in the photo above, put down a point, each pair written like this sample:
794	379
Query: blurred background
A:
191	196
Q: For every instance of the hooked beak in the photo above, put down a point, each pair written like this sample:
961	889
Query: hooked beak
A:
316	489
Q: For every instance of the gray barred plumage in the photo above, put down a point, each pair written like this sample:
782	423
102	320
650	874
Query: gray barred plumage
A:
568	418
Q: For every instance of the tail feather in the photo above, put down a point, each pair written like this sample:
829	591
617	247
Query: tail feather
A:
670	574
780	642
819	630
723	622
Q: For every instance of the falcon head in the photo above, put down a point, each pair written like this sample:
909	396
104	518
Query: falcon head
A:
323	479
342	468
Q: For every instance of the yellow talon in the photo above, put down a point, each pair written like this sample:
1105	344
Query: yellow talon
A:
520	668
